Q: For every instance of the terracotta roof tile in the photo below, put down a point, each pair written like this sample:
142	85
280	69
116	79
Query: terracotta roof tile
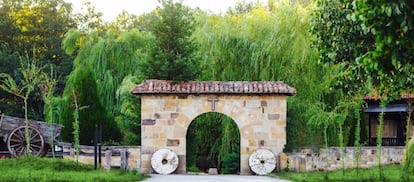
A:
213	87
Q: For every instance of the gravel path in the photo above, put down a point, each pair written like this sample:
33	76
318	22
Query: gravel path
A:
210	178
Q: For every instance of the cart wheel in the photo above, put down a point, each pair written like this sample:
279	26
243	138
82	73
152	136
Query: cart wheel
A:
16	142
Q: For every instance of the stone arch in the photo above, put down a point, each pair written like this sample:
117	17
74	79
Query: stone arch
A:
201	115
167	109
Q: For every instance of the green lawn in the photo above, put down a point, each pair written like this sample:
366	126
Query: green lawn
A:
391	173
47	169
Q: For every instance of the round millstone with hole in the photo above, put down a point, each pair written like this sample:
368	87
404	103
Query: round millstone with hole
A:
164	161
262	161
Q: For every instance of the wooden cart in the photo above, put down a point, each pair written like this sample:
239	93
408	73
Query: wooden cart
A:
13	131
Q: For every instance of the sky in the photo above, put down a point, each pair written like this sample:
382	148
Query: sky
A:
111	8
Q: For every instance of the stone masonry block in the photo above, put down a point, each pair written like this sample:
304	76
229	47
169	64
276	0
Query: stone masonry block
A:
148	122
263	103
170	103
162	122
171	121
174	115
252	103
252	143
173	142
279	136
281	123
262	135
147	150
179	132
273	116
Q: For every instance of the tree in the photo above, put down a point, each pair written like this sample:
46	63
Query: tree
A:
341	41
38	26
267	46
35	28
371	41
8	64
124	22
110	57
243	7
82	82
390	63
91	20
172	57
129	118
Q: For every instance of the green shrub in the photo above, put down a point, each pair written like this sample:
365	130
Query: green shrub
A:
230	163
193	169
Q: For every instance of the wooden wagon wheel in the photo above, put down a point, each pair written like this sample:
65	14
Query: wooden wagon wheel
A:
16	142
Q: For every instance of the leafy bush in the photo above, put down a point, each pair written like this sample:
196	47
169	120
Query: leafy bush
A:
230	163
193	169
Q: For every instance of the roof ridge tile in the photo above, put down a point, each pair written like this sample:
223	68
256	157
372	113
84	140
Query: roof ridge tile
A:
213	87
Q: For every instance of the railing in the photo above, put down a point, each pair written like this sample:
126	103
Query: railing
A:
387	141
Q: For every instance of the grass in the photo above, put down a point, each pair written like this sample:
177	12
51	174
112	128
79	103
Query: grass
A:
391	173
59	170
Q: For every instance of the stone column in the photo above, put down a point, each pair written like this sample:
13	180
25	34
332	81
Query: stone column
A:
124	159
108	155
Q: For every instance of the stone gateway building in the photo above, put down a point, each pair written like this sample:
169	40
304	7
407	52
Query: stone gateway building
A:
167	110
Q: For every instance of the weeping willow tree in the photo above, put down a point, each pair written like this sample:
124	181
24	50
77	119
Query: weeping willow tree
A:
218	147
129	117
267	44
110	57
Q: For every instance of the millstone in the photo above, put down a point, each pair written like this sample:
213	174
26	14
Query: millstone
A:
164	161
262	161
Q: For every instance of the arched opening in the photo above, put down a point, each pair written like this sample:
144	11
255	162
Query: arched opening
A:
213	141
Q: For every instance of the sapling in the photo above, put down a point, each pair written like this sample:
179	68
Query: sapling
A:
47	88
31	77
76	129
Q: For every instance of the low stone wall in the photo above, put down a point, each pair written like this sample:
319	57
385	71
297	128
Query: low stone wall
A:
87	155
305	160
330	159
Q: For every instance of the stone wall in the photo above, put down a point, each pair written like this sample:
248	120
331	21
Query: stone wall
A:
166	118
87	155
330	159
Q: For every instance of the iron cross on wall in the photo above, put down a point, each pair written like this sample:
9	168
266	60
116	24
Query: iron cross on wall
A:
213	103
